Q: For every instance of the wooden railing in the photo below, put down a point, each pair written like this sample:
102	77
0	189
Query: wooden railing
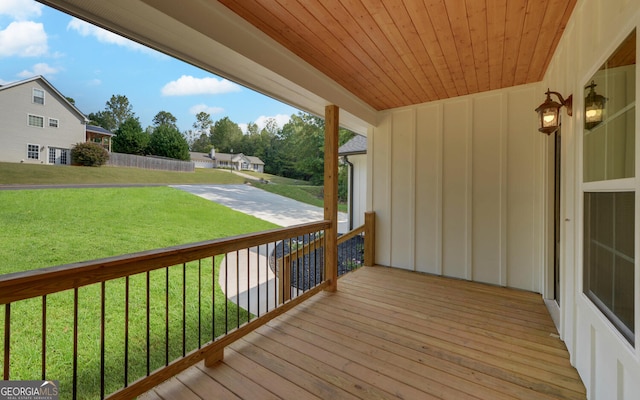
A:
355	249
149	315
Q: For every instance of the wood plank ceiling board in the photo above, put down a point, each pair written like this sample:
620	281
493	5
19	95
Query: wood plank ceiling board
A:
393	54
496	25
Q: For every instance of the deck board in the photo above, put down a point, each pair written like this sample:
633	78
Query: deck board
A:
388	334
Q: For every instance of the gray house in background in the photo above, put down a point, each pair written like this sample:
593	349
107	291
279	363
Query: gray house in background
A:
236	162
354	154
39	125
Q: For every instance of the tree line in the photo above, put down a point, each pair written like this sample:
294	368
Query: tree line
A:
295	150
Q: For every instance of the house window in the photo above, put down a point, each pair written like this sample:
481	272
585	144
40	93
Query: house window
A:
53	123
609	257
610	185
33	151
35	120
38	96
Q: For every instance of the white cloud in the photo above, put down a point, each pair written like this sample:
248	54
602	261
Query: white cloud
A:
211	110
94	82
24	39
20	9
243	127
39	69
188	85
103	36
281	120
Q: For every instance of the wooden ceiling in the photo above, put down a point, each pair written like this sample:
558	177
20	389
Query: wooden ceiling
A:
397	53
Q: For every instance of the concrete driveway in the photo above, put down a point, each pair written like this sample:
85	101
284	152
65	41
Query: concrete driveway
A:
262	204
250	285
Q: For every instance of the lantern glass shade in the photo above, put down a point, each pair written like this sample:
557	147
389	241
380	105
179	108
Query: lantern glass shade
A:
548	112
593	108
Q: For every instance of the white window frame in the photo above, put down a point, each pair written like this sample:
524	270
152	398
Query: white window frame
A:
57	123
31	151
34	96
37	116
630	184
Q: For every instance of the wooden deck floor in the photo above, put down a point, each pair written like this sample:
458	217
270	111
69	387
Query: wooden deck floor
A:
392	334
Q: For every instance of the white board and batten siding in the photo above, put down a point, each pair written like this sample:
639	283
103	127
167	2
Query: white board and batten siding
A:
608	364
458	188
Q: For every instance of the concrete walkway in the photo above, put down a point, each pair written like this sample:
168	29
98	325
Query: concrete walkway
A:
245	276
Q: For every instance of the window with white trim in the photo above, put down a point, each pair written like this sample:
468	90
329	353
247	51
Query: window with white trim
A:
33	151
38	96
35	120
53	123
609	187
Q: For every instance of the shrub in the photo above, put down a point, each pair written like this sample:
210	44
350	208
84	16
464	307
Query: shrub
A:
89	154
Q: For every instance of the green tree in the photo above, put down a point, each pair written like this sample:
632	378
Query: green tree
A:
101	118
120	109
202	144
305	139
226	135
130	138
165	118
167	141
117	110
203	123
252	128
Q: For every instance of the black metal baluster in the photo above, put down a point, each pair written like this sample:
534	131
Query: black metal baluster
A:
75	343
248	286
148	327
258	288
213	298
7	341
288	279
44	337
126	332
166	317
200	303
184	309
268	257
102	329
226	290
315	261
237	288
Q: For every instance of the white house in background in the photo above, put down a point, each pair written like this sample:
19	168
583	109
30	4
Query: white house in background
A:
39	125
237	162
354	154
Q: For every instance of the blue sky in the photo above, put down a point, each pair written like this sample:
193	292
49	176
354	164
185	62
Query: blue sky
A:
90	64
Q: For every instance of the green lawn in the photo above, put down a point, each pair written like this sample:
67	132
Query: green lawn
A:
13	173
55	226
34	174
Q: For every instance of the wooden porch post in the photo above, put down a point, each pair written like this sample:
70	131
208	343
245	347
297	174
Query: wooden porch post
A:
331	121
369	238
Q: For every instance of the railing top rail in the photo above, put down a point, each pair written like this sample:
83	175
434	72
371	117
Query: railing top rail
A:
40	282
352	233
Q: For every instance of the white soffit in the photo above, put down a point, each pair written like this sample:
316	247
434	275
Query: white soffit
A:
210	36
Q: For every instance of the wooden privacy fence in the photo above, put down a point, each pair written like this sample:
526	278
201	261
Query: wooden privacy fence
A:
156	163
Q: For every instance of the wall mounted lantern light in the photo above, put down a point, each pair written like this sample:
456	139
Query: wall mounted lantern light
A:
593	107
549	111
